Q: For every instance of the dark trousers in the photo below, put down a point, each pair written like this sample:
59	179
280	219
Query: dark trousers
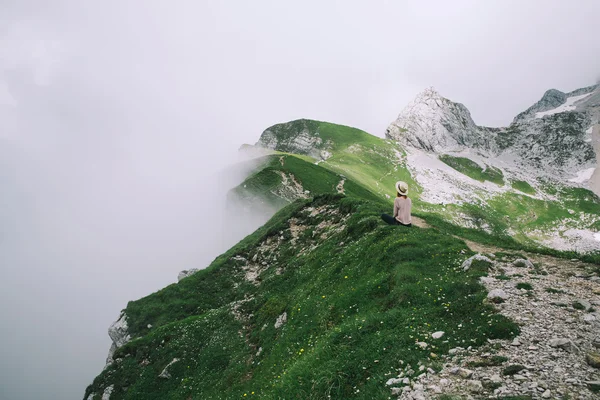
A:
391	220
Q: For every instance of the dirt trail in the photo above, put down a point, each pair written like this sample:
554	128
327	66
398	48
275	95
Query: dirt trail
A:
419	222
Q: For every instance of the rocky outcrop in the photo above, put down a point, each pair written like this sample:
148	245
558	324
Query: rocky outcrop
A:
119	334
478	258
185	273
298	137
436	124
552	99
165	374
108	392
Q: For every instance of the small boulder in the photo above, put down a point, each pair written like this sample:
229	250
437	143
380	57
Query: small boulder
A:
186	272
437	335
418	395
393	381
590	318
474	386
582	304
165	372
497	296
282	319
462	372
481	259
522	263
435	389
565	344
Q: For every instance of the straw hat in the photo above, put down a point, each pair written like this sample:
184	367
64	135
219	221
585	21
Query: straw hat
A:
402	188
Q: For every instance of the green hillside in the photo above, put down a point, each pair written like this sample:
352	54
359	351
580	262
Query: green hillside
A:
358	296
372	162
325	301
284	178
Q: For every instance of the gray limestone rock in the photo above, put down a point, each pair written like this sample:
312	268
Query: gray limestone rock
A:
437	335
119	334
564	344
462	372
393	381
582	304
477	257
497	295
475	386
185	273
165	374
299	137
108	392
282	319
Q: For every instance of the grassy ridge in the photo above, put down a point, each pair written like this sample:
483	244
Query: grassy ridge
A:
356	304
372	162
264	185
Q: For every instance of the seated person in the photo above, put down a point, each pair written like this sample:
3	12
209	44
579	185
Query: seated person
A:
402	206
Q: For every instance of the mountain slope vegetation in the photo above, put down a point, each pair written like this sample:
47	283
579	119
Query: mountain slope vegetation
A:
324	300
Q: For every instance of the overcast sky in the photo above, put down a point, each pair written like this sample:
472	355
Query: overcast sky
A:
116	116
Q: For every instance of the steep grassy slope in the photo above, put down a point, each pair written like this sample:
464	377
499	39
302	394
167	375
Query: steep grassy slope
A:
322	302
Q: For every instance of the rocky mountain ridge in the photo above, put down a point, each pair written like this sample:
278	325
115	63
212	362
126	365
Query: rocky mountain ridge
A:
553	137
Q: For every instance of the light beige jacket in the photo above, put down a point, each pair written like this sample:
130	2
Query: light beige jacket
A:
402	208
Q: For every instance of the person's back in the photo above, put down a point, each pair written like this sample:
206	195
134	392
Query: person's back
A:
402	208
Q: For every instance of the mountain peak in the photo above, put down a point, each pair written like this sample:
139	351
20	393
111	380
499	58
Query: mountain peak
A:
428	93
553	99
433	123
